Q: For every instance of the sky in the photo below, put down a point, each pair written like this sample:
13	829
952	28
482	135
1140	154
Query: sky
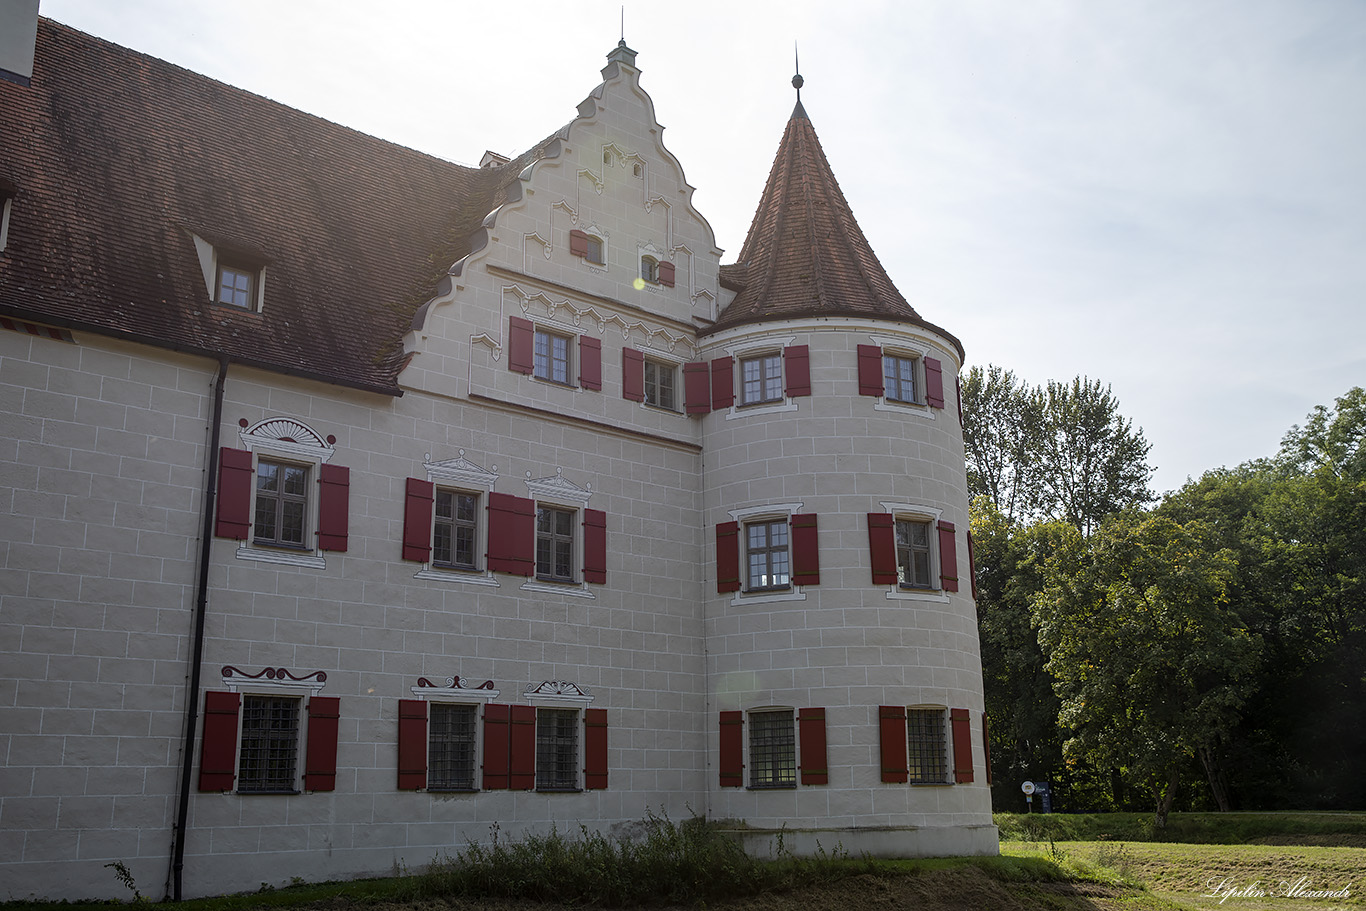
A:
1167	196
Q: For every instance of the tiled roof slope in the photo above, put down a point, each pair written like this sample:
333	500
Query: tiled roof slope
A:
114	157
805	254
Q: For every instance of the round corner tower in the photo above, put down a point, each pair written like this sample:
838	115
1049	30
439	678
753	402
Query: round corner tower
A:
845	683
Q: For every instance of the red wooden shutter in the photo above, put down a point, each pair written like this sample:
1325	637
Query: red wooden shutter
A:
512	535
334	498
522	748
722	385
811	733
234	494
666	274
892	733
578	243
320	755
521	344
594	749
417	519
732	764
594	545
727	557
590	362
986	746
218	751
797	370
934	383
961	722
870	380
948	558
697	388
882	544
412	744
806	562
496	742
632	375
972	566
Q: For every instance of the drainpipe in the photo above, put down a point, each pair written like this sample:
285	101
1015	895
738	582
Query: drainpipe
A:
197	652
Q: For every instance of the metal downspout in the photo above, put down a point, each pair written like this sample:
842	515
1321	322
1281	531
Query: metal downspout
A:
197	652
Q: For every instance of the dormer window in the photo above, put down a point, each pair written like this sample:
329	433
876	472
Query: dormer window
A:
649	269
6	206
236	286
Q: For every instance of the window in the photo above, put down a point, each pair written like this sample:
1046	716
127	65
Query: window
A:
451	764
588	246
925	744
281	503
594	252
454	530
767	553
898	375
649	269
551	357
270	745
913	553
235	286
772	750
557	749
761	379
555	544
659	385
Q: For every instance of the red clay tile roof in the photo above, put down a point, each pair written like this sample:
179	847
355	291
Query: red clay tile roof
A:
115	157
805	254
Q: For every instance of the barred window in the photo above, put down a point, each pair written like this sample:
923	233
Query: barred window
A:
557	750
926	746
452	734
761	379
913	553
270	745
453	534
772	750
767	553
281	503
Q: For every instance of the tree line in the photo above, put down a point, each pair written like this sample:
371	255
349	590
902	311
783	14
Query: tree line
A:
1206	650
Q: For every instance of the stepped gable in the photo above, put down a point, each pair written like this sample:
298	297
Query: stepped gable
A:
114	157
805	254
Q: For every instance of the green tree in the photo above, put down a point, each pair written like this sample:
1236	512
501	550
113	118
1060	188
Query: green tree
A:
1150	663
1001	421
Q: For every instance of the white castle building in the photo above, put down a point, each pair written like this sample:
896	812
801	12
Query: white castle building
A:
353	500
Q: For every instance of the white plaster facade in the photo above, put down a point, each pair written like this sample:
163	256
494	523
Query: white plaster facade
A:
104	448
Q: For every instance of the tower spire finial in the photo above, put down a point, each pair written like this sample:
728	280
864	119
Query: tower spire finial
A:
623	23
797	80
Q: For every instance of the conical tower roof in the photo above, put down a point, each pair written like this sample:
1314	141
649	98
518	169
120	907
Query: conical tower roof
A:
805	254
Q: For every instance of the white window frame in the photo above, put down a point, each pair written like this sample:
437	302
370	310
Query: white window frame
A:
751	764
279	440
457	692
6	210
558	493
744	351
660	364
917	512
302	689
551	332
460	474
896	346
558	694
774	512
212	260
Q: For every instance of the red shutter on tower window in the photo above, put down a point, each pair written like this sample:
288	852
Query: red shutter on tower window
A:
594	749
234	494
594	545
722	385
806	561
870	381
521	344
512	534
732	764
797	370
334	499
934	383
811	733
417	519
882	545
578	243
727	557
522	748
666	274
320	755
892	734
218	751
412	744
697	388
986	746
948	558
972	566
961	722
632	375
590	363
496	742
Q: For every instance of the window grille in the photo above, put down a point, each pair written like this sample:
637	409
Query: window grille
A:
451	761
557	749
772	750
270	745
925	743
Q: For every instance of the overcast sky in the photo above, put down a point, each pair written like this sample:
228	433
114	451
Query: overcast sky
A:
1169	196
